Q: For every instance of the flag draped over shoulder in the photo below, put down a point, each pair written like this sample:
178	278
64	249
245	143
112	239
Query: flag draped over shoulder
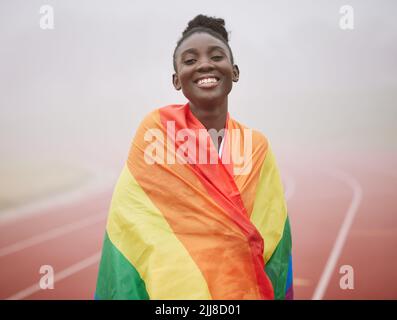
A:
183	228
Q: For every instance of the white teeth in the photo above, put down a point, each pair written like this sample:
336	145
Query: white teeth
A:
207	80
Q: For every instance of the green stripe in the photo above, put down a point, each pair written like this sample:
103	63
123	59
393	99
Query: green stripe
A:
277	266
117	278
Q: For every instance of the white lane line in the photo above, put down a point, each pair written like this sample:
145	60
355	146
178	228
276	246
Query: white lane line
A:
51	234
343	232
100	184
63	274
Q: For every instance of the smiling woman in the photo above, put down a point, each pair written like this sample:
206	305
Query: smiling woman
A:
198	229
205	70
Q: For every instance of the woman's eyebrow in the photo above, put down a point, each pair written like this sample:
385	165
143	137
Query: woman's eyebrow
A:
190	50
195	51
213	48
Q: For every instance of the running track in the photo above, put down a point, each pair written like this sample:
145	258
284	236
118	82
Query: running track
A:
342	210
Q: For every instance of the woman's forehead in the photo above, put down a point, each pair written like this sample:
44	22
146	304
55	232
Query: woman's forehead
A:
200	41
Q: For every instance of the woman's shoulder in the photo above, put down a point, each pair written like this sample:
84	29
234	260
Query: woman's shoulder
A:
153	115
258	137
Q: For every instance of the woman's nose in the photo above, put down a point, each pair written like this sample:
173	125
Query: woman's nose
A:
205	66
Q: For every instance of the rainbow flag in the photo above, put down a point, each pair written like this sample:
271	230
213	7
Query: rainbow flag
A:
180	227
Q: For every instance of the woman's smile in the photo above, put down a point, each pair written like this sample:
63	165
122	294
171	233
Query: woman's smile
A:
207	82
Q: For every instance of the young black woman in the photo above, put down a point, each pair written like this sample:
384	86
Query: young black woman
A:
191	217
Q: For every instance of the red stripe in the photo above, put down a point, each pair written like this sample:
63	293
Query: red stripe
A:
220	185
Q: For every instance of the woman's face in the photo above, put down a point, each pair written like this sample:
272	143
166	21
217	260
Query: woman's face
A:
204	69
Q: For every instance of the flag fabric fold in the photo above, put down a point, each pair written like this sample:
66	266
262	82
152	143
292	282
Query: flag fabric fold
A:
183	228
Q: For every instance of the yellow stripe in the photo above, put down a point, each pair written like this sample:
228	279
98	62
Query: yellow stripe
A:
138	229
270	210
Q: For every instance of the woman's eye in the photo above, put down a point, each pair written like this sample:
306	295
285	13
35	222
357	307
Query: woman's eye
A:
189	61
217	58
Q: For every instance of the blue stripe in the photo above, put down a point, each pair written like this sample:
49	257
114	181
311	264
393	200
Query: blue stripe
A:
289	276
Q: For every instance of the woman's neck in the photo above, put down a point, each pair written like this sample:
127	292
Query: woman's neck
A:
212	117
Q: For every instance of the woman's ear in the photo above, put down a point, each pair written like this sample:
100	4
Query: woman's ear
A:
236	73
176	82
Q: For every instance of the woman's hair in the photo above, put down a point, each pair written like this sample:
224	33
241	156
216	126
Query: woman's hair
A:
211	25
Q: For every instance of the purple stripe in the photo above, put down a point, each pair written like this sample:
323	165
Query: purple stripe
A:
290	293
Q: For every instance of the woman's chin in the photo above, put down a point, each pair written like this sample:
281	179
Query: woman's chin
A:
208	97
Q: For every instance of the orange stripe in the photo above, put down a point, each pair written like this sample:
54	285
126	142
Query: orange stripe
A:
247	183
221	186
216	244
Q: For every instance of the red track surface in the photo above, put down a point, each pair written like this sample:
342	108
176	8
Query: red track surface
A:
318	202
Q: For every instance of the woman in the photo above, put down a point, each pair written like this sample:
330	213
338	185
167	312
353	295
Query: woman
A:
198	211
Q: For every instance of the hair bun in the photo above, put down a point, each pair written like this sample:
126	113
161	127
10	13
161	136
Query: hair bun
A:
212	23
